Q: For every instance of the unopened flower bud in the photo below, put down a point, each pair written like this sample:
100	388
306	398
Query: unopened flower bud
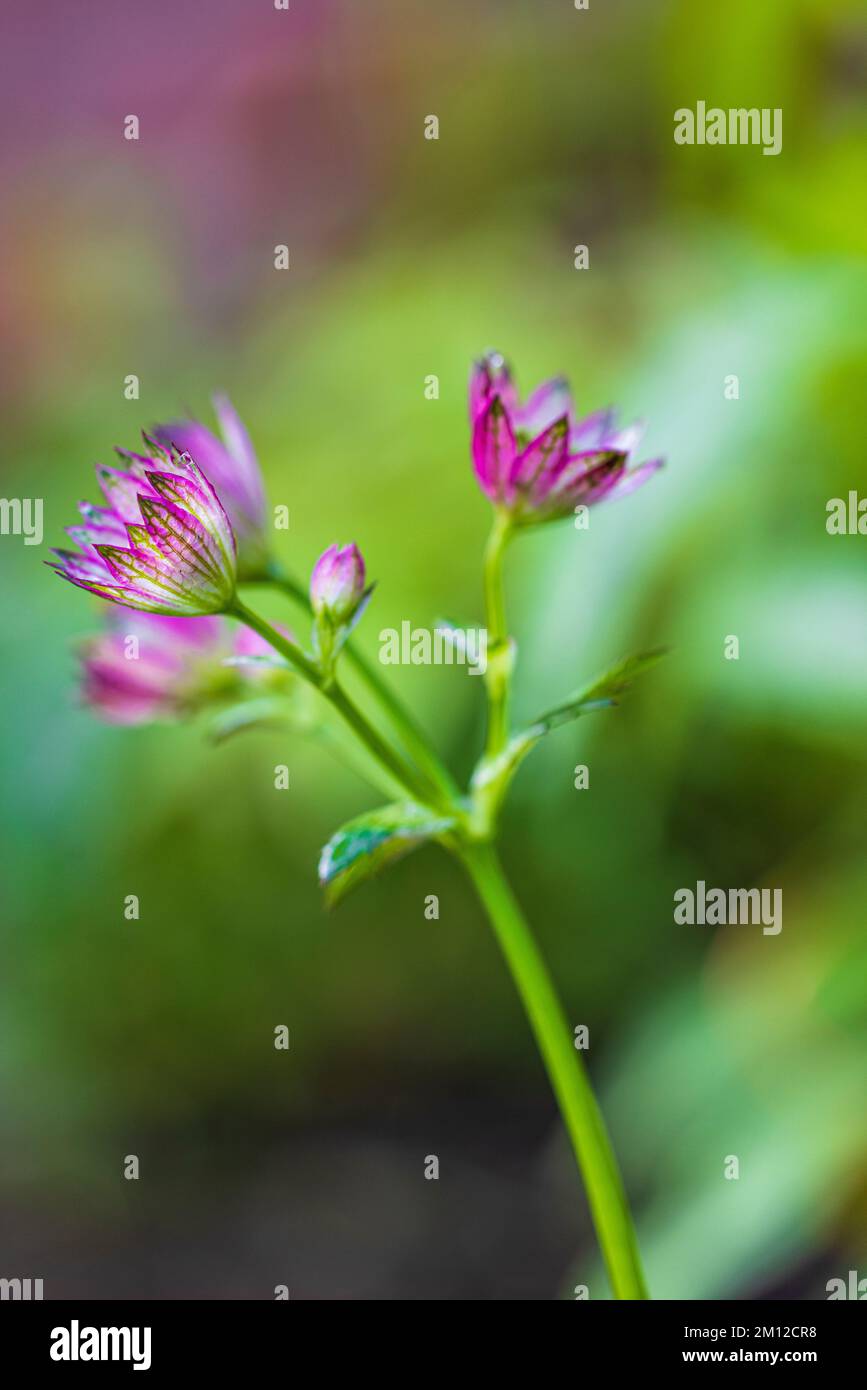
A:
337	583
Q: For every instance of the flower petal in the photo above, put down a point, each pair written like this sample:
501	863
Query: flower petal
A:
141	571
491	376
636	477
231	467
593	431
100	526
548	403
586	478
186	547
80	569
187	497
122	490
536	468
240	448
494	449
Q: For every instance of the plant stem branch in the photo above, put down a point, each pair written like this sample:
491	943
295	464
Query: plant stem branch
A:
580	1111
568	1076
404	772
414	738
498	674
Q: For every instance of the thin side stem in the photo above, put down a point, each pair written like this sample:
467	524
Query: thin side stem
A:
578	1106
404	773
348	754
413	736
498	674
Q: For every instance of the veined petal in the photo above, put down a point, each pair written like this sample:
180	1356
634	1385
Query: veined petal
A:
147	601
145	542
186	545
163	544
536	468
480	387
230	467
139	570
139	539
586	478
196	494
100	525
122	490
635	477
240	448
593	431
185	496
142	584
494	449
115	593
80	569
491	376
536	460
138	464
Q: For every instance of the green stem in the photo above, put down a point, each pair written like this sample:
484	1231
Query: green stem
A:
402	771
349	755
414	738
498	674
288	649
568	1076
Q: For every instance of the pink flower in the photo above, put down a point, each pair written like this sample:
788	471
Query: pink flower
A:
145	666
337	583
163	543
535	460
230	464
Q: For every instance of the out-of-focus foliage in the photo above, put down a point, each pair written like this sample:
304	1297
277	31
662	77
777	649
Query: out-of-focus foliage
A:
408	257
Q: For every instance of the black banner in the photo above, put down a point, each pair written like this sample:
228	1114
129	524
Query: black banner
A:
219	1339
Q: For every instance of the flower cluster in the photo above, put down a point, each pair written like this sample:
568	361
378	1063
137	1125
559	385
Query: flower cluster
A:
538	461
184	523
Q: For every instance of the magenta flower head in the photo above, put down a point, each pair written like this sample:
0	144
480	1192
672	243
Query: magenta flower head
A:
163	543
145	667
337	582
535	460
230	464
338	598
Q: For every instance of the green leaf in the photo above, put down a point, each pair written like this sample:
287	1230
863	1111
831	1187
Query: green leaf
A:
600	694
367	844
492	776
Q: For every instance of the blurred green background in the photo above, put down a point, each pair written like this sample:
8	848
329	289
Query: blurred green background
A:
409	257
